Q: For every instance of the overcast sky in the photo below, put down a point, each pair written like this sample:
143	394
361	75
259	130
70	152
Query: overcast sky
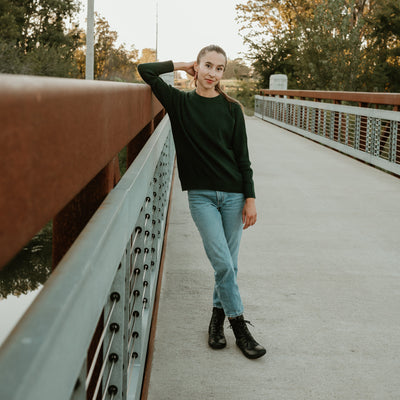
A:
184	26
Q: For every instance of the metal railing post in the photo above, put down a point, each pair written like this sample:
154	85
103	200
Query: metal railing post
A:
393	141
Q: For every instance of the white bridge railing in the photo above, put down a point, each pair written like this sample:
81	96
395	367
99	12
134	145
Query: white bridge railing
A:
107	280
368	134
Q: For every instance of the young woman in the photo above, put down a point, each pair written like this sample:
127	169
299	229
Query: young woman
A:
213	165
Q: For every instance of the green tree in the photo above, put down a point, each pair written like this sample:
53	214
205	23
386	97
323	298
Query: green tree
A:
382	55
148	55
324	44
34	38
110	62
122	64
103	48
329	47
236	69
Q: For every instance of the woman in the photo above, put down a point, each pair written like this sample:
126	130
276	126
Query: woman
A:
213	165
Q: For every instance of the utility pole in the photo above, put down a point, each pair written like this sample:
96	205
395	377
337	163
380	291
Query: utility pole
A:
90	41
157	31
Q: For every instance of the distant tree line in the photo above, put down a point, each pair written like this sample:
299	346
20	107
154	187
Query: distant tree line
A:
34	39
325	44
43	38
237	69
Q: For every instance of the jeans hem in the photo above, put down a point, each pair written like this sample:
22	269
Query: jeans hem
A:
234	314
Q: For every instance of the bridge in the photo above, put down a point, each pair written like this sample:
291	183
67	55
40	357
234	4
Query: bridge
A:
124	315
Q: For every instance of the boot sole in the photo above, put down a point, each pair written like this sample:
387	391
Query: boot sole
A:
253	356
217	346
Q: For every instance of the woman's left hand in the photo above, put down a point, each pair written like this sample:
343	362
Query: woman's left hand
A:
249	213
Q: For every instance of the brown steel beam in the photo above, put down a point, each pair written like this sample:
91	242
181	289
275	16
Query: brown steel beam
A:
56	136
363	97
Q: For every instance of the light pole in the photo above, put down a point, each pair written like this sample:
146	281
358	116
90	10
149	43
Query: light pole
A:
157	31
90	41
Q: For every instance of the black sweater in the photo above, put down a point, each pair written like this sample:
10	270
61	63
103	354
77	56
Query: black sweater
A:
209	135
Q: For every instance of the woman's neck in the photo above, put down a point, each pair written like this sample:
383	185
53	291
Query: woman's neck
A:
206	92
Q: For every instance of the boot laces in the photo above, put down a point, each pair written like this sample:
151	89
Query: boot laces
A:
217	324
245	335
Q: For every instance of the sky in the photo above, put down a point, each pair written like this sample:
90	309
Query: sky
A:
184	27
11	310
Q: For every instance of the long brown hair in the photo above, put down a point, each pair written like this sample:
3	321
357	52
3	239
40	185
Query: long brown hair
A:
219	50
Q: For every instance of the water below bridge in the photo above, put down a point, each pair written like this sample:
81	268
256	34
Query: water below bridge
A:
319	275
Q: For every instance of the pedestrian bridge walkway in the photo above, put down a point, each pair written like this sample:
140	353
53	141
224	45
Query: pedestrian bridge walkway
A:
319	272
319	275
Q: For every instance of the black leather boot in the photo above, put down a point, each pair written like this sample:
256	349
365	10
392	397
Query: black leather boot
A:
250	348
216	337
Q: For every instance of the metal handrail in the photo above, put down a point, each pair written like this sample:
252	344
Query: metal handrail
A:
57	136
43	356
361	98
368	134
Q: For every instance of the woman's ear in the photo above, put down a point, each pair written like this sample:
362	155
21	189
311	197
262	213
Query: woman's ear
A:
195	66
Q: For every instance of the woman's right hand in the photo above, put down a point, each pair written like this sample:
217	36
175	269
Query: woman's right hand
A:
188	67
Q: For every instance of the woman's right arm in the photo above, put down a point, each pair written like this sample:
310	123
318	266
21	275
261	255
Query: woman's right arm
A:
150	73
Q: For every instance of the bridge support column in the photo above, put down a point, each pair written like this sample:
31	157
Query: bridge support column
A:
137	143
70	221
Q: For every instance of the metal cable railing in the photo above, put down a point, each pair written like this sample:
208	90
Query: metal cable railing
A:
145	241
114	298
372	135
112	271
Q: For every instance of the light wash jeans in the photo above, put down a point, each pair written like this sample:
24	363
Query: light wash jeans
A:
218	217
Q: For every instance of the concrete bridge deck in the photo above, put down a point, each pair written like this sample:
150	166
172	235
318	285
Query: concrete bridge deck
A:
319	276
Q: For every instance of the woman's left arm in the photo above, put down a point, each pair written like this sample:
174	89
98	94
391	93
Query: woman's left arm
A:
240	149
249	213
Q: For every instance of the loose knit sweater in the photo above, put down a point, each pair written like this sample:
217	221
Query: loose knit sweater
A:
209	135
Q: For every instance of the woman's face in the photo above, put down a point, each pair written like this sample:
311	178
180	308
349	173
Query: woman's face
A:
210	69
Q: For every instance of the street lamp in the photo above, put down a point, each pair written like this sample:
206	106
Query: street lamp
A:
90	41
157	31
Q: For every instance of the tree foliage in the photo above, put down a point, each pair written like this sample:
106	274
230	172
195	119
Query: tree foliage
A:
148	55
110	62
236	69
41	38
34	38
325	44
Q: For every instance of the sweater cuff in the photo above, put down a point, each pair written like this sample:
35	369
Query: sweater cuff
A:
249	191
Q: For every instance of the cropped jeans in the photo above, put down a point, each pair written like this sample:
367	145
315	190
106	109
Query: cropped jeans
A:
218	217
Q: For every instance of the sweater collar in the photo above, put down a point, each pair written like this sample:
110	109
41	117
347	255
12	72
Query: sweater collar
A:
203	98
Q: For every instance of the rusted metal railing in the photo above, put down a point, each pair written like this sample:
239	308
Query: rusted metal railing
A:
86	334
361	99
58	155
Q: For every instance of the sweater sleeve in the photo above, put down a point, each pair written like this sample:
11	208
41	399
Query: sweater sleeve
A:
150	73
241	151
